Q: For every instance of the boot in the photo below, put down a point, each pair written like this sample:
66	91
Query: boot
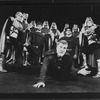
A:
98	73
1	64
25	62
84	62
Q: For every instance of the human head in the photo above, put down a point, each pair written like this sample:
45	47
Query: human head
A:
19	16
68	32
89	21
25	16
53	25
33	23
61	47
46	24
66	26
75	28
39	25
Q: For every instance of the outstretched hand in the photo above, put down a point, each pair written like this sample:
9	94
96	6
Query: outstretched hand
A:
39	84
84	72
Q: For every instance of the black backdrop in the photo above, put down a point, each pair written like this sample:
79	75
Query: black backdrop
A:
60	13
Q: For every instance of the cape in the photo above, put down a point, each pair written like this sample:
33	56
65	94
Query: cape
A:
4	33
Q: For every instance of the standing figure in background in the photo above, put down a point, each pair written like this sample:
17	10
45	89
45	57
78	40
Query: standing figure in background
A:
35	48
75	35
22	38
54	32
9	37
75	30
48	39
65	28
45	28
92	50
71	44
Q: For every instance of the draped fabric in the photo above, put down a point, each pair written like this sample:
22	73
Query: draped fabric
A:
2	38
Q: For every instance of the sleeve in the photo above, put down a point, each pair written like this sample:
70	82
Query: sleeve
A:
76	46
44	69
74	71
8	26
61	35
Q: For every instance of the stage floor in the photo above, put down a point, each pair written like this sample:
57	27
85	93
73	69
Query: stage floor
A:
20	79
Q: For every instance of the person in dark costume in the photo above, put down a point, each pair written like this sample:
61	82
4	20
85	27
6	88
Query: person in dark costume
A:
48	40
65	28
75	30
58	65
72	44
75	35
35	48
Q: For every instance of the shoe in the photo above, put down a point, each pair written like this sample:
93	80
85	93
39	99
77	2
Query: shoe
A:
96	76
3	70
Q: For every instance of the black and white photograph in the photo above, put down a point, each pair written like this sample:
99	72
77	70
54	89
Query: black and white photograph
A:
49	47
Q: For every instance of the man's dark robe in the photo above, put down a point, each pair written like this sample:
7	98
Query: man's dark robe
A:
59	68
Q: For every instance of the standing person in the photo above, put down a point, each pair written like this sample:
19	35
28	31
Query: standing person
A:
58	65
22	37
65	28
45	28
75	35
36	44
54	32
72	44
9	44
48	39
75	30
92	50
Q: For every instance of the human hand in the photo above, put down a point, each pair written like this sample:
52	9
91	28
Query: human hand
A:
75	56
8	37
39	84
84	72
26	44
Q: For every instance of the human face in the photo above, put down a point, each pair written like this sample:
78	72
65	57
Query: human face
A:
75	26
53	25
68	32
19	17
61	49
89	23
66	25
39	27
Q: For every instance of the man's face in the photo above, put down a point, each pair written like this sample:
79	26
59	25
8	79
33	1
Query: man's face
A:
89	23
75	26
39	27
19	17
61	49
66	25
46	26
68	32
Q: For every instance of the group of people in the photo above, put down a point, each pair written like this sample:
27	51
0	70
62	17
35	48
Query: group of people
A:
63	55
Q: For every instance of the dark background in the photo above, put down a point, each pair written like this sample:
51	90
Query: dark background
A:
60	12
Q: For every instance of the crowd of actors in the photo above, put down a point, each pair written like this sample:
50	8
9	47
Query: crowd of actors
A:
62	54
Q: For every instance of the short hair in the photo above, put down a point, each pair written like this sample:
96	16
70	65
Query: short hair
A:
62	42
39	23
